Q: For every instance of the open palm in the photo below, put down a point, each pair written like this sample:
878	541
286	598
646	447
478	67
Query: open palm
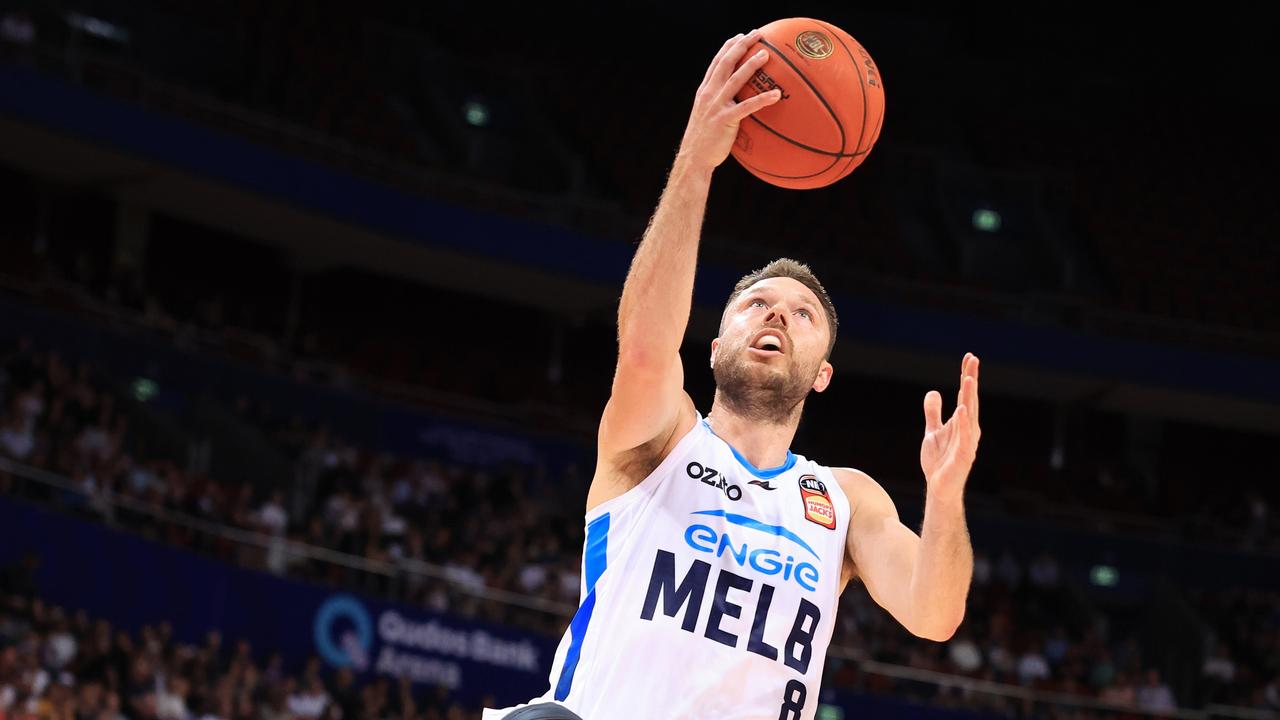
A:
948	449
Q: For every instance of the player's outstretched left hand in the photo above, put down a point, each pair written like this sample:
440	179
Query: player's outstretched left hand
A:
948	449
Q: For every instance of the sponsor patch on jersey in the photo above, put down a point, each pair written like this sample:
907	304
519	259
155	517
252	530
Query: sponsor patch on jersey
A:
817	502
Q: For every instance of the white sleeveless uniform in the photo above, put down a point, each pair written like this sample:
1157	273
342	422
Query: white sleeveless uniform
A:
709	592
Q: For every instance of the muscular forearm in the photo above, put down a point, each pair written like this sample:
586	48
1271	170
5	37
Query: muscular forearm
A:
943	568
658	294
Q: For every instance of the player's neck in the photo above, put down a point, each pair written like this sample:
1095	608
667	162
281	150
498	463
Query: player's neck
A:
763	444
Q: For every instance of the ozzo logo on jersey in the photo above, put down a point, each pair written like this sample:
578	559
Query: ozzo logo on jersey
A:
711	476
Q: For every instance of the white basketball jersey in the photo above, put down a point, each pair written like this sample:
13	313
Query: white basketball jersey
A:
709	590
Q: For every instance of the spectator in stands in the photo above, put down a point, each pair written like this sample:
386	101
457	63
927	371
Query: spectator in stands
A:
1102	671
308	701
1032	666
276	706
981	569
1056	646
1219	669
1128	657
1001	661
171	699
60	647
1043	572
17	440
59	702
1009	570
1271	693
1121	692
1256	524
18	28
964	654
344	694
1154	694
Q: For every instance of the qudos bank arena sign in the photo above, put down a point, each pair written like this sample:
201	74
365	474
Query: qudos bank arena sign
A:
430	650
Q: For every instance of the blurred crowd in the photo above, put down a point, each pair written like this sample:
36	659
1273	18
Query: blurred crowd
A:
1026	624
373	506
59	665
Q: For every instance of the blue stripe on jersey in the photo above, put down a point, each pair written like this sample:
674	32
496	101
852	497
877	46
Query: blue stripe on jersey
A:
754	524
765	474
595	560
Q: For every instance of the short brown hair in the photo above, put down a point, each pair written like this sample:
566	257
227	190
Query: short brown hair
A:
786	267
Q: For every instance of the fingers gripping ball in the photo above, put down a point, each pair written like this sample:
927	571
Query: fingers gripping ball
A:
830	112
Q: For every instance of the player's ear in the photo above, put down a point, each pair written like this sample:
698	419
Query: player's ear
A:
715	344
825	371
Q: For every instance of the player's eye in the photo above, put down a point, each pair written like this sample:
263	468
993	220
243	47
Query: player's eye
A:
757	301
806	314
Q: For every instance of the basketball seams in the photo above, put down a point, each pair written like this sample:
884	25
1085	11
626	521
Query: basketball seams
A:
839	156
862	87
814	88
816	93
753	168
802	146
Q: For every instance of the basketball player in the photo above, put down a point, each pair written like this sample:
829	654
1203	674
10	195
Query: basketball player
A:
714	556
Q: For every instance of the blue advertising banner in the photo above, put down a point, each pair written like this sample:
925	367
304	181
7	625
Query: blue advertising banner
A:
416	433
132	581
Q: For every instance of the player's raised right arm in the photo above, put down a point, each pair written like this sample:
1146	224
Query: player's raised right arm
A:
648	384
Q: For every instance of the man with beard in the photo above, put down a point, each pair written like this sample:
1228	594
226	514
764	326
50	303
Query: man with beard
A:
714	556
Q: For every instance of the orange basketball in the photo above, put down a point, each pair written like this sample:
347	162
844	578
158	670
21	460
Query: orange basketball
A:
830	112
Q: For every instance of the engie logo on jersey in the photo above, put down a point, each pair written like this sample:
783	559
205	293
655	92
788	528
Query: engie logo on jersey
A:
817	503
748	554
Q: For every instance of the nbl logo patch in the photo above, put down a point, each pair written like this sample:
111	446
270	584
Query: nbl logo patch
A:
817	503
814	44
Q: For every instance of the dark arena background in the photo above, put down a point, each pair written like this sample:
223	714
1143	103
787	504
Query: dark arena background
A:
307	318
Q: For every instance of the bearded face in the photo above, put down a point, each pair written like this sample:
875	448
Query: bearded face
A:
771	351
